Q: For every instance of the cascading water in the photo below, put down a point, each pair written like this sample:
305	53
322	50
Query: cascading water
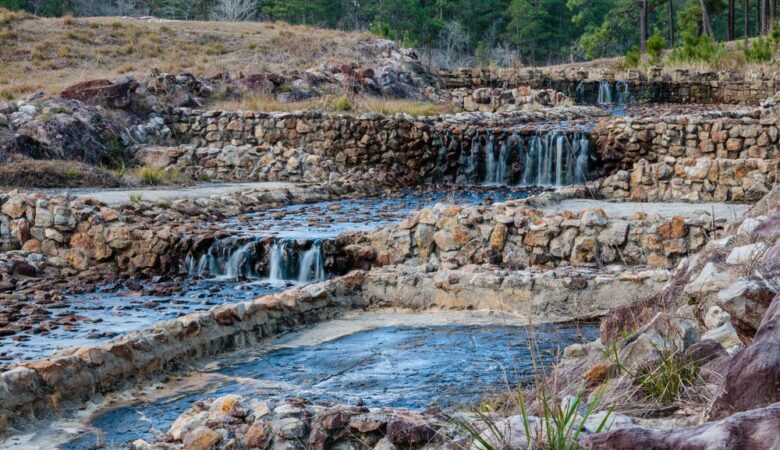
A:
312	264
288	263
503	159
278	258
579	92
605	93
233	259
490	160
556	159
229	258
623	92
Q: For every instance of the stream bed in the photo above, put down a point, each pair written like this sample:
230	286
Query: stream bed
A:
408	360
93	317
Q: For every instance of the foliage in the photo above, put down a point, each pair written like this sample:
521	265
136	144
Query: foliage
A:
632	56
459	31
155	176
559	423
696	48
655	46
666	380
760	50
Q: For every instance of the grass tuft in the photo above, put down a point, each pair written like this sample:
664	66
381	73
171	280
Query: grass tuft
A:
155	176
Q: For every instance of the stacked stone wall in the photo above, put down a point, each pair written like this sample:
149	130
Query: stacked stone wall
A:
733	158
516	237
650	86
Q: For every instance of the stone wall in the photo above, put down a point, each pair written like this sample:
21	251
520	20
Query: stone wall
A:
74	234
316	147
336	142
516	237
731	158
651	85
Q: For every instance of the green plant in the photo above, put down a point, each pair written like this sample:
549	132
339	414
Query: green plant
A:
136	197
341	104
655	46
558	426
663	382
632	56
762	49
696	48
381	29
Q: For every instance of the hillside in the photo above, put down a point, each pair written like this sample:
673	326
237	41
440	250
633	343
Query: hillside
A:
46	54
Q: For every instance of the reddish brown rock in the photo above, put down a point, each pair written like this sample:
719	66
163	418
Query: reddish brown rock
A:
409	431
103	93
756	429
753	376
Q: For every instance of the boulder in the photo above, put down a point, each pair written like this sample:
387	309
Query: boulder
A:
104	93
756	429
753	376
746	301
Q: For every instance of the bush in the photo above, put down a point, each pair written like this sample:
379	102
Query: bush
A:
696	48
341	104
761	50
632	56
655	46
381	29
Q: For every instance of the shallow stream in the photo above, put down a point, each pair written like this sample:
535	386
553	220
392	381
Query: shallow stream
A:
409	360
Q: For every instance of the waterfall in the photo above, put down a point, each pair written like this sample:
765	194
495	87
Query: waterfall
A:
623	93
312	264
530	160
490	160
277	261
503	158
605	93
559	141
555	157
441	157
227	258
467	171
582	155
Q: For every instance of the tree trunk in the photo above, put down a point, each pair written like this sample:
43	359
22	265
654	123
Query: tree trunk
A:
705	18
758	17
746	18
730	26
643	25
763	16
671	23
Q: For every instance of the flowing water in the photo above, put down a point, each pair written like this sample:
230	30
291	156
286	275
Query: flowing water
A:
558	156
377	359
264	253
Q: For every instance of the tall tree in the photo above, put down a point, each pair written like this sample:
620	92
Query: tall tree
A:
643	25
730	23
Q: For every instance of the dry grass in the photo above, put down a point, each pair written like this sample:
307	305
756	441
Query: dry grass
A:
46	54
33	173
356	105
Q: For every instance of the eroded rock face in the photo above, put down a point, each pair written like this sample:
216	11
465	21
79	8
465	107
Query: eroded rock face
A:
103	92
747	301
746	430
753	376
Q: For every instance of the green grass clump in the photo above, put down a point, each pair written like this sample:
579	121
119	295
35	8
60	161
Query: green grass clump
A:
664	382
155	176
